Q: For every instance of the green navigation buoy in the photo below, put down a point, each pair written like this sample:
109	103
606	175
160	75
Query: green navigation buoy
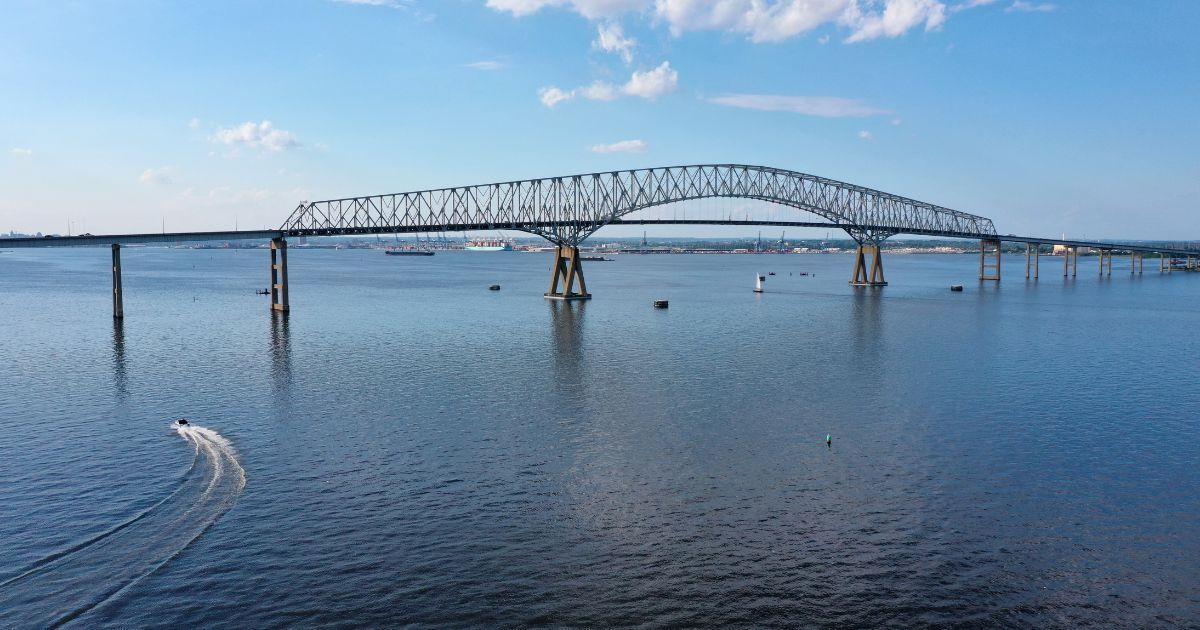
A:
828	440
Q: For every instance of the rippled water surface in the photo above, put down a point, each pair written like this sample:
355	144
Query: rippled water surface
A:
418	449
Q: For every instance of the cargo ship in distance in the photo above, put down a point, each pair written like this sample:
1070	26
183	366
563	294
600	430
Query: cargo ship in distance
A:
392	251
488	245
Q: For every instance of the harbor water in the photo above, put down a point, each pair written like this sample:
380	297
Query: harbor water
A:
408	447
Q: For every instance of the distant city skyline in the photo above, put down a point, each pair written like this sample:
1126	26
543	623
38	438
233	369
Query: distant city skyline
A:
1047	117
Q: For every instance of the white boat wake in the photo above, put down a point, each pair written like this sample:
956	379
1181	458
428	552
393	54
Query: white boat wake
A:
67	584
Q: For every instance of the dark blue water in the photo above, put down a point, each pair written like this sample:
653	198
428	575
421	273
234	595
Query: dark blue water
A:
420	450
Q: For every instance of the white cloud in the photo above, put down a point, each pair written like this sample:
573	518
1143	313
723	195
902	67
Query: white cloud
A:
1022	6
194	123
650	84
393	4
601	91
552	96
653	83
19	152
611	38
485	65
823	106
969	4
896	122
865	135
591	9
897	18
822	40
624	146
160	175
761	20
262	135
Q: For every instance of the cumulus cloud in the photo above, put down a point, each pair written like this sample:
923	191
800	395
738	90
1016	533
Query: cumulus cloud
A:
897	18
611	38
485	65
624	146
650	84
160	175
194	123
1022	6
764	20
653	83
822	106
865	135
262	135
19	152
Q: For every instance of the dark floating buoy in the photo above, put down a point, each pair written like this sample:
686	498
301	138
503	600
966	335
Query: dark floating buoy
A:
181	421
660	304
494	287
956	287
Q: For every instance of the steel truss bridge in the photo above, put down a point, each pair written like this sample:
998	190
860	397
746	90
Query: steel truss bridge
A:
567	210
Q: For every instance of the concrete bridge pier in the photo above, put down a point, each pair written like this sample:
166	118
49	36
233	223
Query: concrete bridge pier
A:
1135	262
1070	260
567	269
118	293
1033	254
279	275
989	260
1105	261
861	278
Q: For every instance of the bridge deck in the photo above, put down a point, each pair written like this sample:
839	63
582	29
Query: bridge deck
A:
188	237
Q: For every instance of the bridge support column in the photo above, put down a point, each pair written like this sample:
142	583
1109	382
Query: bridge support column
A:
1135	262
861	278
279	275
1070	260
567	269
1033	254
989	260
1105	261
118	293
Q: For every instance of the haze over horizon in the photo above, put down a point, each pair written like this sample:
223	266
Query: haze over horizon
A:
1047	117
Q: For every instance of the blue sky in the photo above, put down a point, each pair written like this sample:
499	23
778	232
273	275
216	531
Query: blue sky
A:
1049	117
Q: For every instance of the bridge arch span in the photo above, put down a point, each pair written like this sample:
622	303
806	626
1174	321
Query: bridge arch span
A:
566	210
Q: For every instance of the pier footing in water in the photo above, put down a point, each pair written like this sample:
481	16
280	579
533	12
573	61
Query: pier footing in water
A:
860	277
279	275
567	269
118	292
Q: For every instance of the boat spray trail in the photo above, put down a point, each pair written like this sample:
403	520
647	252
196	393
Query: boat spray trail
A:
68	584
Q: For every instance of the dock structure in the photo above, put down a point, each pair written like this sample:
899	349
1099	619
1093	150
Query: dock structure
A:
567	210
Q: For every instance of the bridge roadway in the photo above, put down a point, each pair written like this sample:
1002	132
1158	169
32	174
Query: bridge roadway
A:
567	210
102	240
